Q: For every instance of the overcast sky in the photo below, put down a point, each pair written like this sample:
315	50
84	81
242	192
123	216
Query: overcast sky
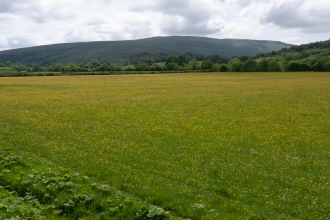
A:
25	23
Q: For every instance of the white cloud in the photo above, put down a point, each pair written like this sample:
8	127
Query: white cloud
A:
97	19
39	11
241	28
192	17
307	16
20	41
57	21
215	23
293	40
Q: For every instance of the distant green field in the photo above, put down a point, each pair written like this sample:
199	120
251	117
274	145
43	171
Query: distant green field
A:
162	64
202	145
128	67
6	70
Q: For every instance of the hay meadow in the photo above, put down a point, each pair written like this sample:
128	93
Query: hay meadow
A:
198	145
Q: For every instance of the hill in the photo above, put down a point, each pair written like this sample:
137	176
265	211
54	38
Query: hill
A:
312	56
156	47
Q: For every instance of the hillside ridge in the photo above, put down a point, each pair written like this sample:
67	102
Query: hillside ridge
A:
156	47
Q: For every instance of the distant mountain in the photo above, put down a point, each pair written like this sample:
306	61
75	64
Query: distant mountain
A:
117	51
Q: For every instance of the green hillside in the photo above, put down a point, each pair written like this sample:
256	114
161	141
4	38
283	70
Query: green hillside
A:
117	51
312	56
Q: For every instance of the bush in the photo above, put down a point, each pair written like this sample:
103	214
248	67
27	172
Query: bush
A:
274	66
215	67
223	68
236	66
295	66
142	67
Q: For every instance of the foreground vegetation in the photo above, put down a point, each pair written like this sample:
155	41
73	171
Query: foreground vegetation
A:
200	145
38	190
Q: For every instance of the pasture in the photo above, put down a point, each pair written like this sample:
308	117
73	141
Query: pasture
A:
6	70
201	145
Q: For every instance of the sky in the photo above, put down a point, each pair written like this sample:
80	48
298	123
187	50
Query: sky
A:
25	23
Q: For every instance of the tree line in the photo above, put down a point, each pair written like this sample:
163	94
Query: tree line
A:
181	63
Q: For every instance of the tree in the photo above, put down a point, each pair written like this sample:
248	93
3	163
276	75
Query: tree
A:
320	64
193	64
181	60
304	54
113	67
170	60
126	63
150	62
250	65
8	64
274	65
36	68
21	67
146	61
143	59
93	65
223	68
244	58
156	67
327	66
305	67
142	67
71	67
216	67
58	67
103	67
263	65
90	65
81	67
172	66
235	65
295	66
206	65
292	56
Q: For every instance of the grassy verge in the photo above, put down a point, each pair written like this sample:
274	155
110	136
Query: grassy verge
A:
38	189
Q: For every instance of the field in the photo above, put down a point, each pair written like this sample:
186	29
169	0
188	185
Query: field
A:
201	145
6	70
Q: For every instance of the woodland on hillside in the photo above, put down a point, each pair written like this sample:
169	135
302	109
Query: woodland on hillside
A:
308	57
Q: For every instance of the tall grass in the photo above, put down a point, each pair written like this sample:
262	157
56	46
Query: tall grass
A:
203	145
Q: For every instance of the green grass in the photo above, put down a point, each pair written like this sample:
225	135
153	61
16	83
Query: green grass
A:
201	145
162	64
7	70
128	67
38	189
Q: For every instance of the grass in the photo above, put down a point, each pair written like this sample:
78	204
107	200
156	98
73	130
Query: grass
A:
7	70
128	67
39	189
201	145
